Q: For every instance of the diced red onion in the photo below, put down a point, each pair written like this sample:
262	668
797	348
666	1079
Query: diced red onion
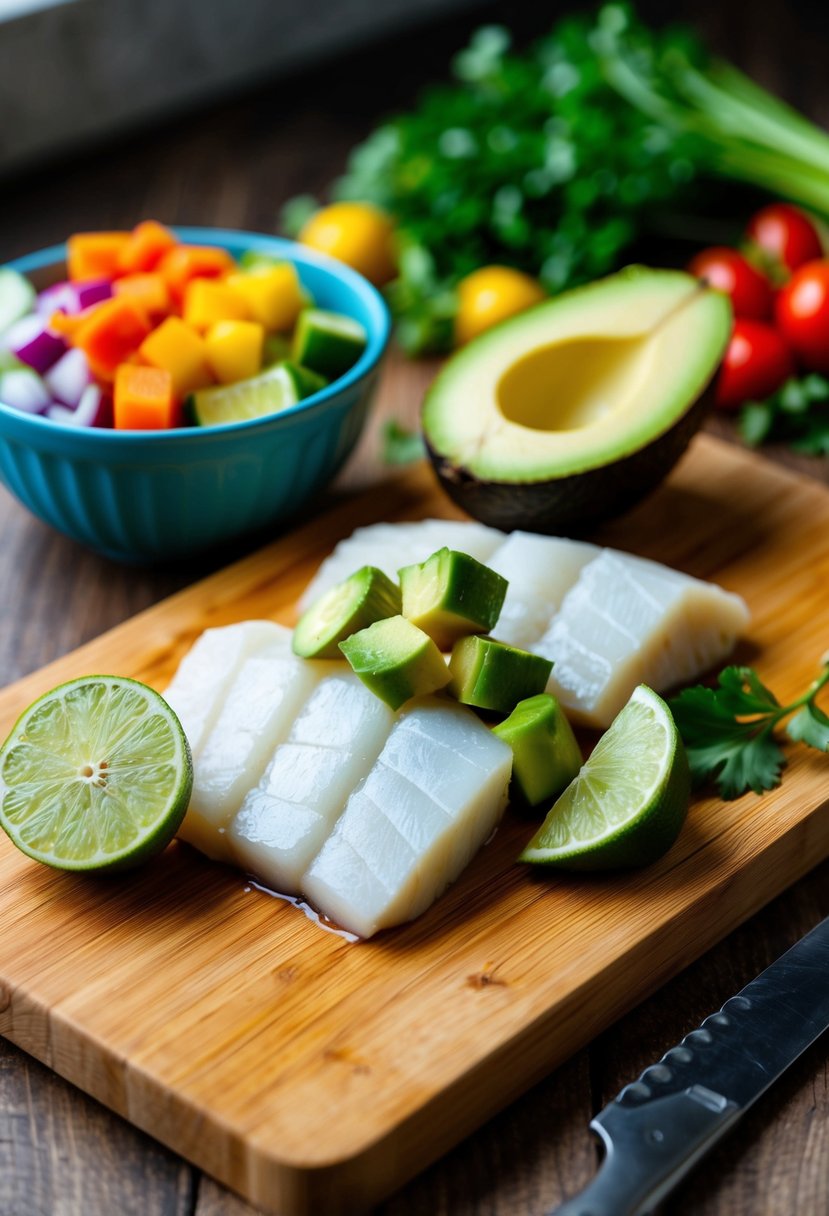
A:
62	297
68	378
92	291
24	390
94	410
72	298
34	343
59	413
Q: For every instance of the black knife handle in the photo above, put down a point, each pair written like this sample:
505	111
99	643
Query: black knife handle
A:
649	1149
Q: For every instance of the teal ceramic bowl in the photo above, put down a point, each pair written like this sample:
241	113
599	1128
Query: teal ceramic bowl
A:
140	496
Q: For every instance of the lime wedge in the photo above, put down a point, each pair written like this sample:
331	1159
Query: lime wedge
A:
628	802
273	390
95	775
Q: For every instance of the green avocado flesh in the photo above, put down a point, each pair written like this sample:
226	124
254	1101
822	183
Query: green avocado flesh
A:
546	756
396	660
450	595
492	675
328	342
367	596
573	410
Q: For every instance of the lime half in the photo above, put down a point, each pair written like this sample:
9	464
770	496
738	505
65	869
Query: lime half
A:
627	804
96	775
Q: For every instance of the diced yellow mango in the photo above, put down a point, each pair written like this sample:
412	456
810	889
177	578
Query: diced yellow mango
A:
178	349
273	294
207	301
234	349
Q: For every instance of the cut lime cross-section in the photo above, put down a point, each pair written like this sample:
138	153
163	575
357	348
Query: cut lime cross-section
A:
274	389
96	775
626	806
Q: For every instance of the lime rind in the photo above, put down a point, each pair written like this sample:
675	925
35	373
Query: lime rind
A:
628	803
95	775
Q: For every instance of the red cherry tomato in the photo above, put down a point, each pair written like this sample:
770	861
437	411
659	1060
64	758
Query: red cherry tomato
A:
728	271
757	362
802	314
786	235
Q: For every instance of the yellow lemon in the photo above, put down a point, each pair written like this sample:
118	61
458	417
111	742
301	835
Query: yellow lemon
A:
490	295
358	234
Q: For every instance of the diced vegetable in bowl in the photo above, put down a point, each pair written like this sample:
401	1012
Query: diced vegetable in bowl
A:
141	421
174	334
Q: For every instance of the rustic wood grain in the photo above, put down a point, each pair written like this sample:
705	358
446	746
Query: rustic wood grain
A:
48	1130
235	166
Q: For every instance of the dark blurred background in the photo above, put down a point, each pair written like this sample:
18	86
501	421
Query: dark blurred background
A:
216	111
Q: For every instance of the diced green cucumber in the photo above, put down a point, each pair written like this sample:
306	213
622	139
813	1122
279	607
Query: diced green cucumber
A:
328	342
17	297
271	391
492	675
396	660
451	595
546	756
367	596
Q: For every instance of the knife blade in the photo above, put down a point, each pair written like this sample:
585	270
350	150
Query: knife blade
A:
659	1126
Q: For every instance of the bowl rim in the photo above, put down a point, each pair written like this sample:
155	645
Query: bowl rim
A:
379	331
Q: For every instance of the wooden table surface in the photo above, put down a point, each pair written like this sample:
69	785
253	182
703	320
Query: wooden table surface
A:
60	1153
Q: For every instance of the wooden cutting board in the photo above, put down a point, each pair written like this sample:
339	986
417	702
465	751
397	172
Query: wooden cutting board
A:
316	1076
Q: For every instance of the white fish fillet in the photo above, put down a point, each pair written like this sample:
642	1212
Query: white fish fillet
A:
540	571
431	800
390	546
284	821
257	713
197	690
630	621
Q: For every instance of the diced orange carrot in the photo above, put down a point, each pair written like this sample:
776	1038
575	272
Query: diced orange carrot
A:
147	244
178	349
94	255
144	399
112	332
68	325
187	262
149	291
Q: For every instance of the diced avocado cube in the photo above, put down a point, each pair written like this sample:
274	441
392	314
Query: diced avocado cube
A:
396	660
367	596
546	756
492	675
451	595
328	342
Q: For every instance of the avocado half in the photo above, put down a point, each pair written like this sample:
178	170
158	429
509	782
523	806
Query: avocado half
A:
573	411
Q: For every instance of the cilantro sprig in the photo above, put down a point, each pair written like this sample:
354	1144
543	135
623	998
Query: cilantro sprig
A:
797	414
400	445
728	731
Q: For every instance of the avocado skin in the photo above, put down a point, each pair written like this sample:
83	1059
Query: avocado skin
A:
573	503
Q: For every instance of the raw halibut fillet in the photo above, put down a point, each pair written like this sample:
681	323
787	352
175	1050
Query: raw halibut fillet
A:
390	546
428	804
284	821
257	713
197	690
540	571
630	621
